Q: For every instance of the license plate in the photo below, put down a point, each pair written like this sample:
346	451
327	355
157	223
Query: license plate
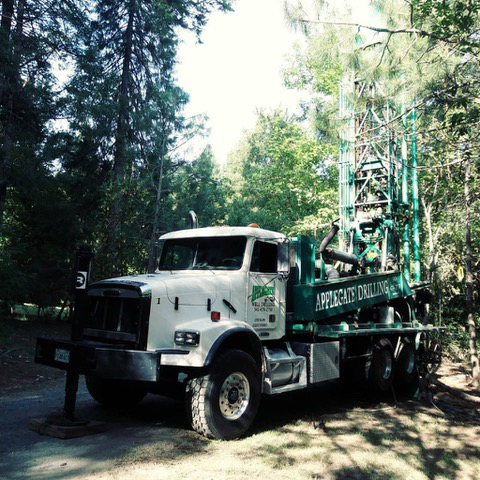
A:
62	355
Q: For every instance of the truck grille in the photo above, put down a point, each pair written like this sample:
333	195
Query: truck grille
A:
116	315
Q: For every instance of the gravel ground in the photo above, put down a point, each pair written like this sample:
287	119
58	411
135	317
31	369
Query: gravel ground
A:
25	454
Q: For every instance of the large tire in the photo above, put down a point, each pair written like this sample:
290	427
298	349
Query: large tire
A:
429	353
381	368
223	403
406	368
114	393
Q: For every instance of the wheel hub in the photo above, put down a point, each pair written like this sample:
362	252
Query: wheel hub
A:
234	396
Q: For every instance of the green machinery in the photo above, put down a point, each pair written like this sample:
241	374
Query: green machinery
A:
365	286
329	313
374	176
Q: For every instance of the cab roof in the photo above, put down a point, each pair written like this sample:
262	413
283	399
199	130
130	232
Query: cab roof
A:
224	231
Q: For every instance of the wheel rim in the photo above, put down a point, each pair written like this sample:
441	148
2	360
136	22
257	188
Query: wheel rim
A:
430	355
234	396
387	366
410	363
406	362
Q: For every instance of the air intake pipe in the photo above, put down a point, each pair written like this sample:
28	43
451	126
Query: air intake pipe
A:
330	236
332	254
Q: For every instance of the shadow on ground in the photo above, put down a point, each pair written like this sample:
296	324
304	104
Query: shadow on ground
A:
360	435
327	433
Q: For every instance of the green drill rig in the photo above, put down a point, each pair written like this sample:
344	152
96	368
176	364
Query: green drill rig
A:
363	288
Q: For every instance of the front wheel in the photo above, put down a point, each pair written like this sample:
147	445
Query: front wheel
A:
223	403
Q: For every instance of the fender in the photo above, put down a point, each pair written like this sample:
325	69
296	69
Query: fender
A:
255	345
213	336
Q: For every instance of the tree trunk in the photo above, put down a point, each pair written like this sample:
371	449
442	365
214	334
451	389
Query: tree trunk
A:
469	281
427	210
8	84
156	217
5	51
120	143
5	30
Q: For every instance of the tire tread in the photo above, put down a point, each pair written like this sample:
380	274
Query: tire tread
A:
196	393
199	406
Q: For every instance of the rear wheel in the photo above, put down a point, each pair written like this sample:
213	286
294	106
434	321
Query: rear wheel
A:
406	368
429	353
114	393
223	403
380	370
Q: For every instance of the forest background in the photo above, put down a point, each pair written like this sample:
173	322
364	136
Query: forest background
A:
95	159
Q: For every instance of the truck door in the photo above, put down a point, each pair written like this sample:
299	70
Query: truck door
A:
266	292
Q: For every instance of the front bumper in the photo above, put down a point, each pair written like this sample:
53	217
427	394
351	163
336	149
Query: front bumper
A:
101	360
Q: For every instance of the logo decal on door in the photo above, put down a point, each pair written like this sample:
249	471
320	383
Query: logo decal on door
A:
260	291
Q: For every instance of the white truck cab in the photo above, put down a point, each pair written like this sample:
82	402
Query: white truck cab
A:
201	321
210	280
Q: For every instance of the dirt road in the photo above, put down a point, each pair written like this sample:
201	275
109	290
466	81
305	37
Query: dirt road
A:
26	454
326	434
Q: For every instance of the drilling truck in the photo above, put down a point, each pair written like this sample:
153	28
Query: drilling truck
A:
234	313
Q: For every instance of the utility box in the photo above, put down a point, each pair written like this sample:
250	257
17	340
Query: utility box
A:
323	360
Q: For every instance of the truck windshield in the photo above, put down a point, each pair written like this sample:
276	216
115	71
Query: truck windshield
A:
209	253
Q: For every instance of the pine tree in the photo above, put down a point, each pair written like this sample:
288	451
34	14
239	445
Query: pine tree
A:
136	43
32	36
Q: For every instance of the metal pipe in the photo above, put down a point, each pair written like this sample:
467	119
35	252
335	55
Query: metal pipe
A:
332	254
416	230
193	219
385	249
406	227
71	388
329	237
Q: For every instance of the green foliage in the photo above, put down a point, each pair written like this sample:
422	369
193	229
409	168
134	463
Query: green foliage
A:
129	54
122	120
35	254
282	179
453	21
123	123
36	236
314	69
198	186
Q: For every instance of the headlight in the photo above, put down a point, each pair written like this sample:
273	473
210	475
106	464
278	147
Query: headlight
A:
187	338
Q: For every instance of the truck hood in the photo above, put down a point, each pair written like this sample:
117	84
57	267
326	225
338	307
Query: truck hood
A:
190	288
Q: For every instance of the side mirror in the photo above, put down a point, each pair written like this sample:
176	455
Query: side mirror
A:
283	259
